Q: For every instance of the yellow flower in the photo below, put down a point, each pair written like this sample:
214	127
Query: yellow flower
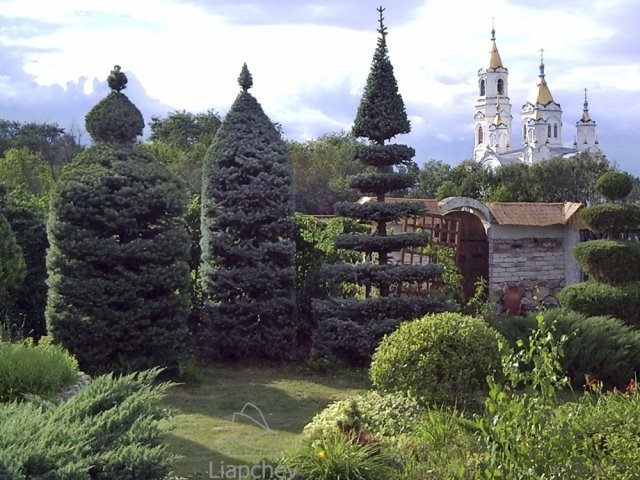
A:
322	454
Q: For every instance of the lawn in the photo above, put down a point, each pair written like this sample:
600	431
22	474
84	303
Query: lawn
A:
207	434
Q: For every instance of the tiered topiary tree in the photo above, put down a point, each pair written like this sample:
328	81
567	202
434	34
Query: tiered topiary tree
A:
351	329
118	257
247	237
611	263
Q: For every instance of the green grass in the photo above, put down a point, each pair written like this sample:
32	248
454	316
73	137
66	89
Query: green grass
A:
204	433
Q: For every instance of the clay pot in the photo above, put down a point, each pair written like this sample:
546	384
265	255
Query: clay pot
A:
512	300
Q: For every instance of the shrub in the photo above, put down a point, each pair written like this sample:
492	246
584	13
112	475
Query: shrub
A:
596	299
607	427
611	218
110	430
445	445
527	435
440	358
42	369
337	456
314	247
615	185
601	347
609	261
381	414
517	427
512	327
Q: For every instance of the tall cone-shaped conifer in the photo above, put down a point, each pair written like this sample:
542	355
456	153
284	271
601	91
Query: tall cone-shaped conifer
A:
247	236
351	329
118	257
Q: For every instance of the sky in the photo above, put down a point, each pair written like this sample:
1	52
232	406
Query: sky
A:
310	60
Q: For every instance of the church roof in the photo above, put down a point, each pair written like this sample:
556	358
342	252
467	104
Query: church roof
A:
544	94
585	110
495	61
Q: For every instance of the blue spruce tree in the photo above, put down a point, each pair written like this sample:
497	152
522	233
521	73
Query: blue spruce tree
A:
247	236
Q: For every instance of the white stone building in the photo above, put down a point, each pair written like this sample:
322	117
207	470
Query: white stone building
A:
540	133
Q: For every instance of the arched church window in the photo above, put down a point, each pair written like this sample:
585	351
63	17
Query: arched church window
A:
549	130
482	88
524	132
555	130
500	86
480	135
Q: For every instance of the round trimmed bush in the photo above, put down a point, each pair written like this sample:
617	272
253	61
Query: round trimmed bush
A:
611	218
114	119
615	185
442	358
609	261
382	414
599	299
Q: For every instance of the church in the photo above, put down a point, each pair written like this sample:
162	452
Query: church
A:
540	135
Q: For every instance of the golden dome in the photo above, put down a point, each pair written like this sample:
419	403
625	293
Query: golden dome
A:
495	61
544	94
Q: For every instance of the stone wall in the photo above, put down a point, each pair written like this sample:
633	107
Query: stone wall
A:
535	265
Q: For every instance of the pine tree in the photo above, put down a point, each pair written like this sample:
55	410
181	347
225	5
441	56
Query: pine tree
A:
118	256
351	329
247	236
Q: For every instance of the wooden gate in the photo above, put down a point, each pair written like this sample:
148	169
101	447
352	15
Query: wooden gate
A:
473	250
445	230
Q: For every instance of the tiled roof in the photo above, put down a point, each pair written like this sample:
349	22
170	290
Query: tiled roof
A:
534	214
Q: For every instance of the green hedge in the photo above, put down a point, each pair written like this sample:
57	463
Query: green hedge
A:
595	299
611	218
26	368
609	261
442	358
602	347
110	430
615	185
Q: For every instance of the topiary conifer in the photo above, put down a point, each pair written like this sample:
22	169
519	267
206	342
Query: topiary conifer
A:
118	257
247	236
351	329
613	287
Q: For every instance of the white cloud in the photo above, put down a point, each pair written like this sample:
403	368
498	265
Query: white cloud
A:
310	75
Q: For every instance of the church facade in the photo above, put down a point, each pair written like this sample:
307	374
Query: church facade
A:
540	133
